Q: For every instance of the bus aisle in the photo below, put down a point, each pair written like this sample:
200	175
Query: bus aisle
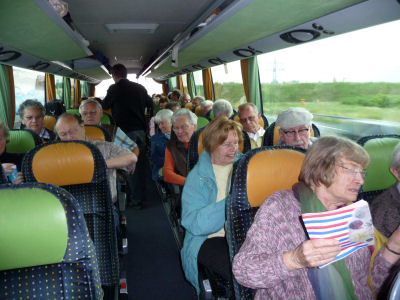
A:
153	261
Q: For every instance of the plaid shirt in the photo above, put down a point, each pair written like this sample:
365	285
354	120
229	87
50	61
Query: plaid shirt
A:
124	141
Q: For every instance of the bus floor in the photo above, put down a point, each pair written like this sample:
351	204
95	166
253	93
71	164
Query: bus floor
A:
153	262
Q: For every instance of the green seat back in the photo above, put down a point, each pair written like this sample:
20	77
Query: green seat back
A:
212	117
21	141
105	119
380	151
202	122
73	111
33	228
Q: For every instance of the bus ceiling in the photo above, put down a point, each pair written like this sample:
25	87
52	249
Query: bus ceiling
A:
161	39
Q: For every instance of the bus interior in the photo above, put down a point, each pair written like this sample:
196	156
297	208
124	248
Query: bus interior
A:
338	59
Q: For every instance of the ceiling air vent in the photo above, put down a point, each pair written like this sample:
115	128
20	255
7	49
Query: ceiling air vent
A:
299	36
144	27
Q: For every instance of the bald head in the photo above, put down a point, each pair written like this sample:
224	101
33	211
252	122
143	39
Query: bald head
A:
69	127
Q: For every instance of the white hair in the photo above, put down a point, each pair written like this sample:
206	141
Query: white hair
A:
206	103
183	112
222	106
163	115
87	101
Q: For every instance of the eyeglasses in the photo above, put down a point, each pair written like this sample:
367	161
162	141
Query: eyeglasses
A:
354	172
292	133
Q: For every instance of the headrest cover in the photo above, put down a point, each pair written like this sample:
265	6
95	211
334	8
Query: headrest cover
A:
94	133
63	164
271	171
293	117
189	105
33	228
20	141
197	111
379	176
49	122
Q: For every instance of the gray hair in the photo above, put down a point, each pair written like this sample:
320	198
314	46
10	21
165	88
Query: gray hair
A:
163	115
87	101
242	106
183	112
395	162
30	103
199	97
206	103
183	96
222	106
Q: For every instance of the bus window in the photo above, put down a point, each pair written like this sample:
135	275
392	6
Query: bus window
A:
198	81
228	83
84	89
58	81
174	84
73	101
184	81
28	85
353	75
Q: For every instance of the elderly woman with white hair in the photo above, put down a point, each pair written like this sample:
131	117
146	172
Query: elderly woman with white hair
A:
159	140
184	124
222	107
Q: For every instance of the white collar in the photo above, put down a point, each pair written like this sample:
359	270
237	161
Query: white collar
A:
255	136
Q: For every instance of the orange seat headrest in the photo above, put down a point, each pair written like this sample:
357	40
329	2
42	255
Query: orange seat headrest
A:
271	171
197	111
189	106
94	133
63	164
49	122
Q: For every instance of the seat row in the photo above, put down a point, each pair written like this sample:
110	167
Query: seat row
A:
80	169
252	184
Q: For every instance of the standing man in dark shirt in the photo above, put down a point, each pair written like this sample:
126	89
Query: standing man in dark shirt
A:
128	101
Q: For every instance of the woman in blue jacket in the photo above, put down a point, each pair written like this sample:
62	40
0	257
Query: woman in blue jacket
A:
203	202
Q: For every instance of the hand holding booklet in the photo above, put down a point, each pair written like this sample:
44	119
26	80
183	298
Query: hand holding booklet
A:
351	225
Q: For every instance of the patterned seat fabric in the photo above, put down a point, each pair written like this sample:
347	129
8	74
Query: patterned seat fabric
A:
271	136
379	177
79	167
22	140
196	147
257	175
75	275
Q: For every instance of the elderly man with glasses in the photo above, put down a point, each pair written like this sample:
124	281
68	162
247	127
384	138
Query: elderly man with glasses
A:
295	128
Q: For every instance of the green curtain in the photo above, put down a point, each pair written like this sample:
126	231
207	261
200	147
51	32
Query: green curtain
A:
191	85
67	92
5	96
84	89
254	83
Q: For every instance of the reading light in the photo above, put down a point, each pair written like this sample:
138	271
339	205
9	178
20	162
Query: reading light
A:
148	27
299	36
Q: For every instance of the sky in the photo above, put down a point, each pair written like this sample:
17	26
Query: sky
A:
365	55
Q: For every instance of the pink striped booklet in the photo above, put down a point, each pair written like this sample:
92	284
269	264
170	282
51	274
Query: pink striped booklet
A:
351	225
